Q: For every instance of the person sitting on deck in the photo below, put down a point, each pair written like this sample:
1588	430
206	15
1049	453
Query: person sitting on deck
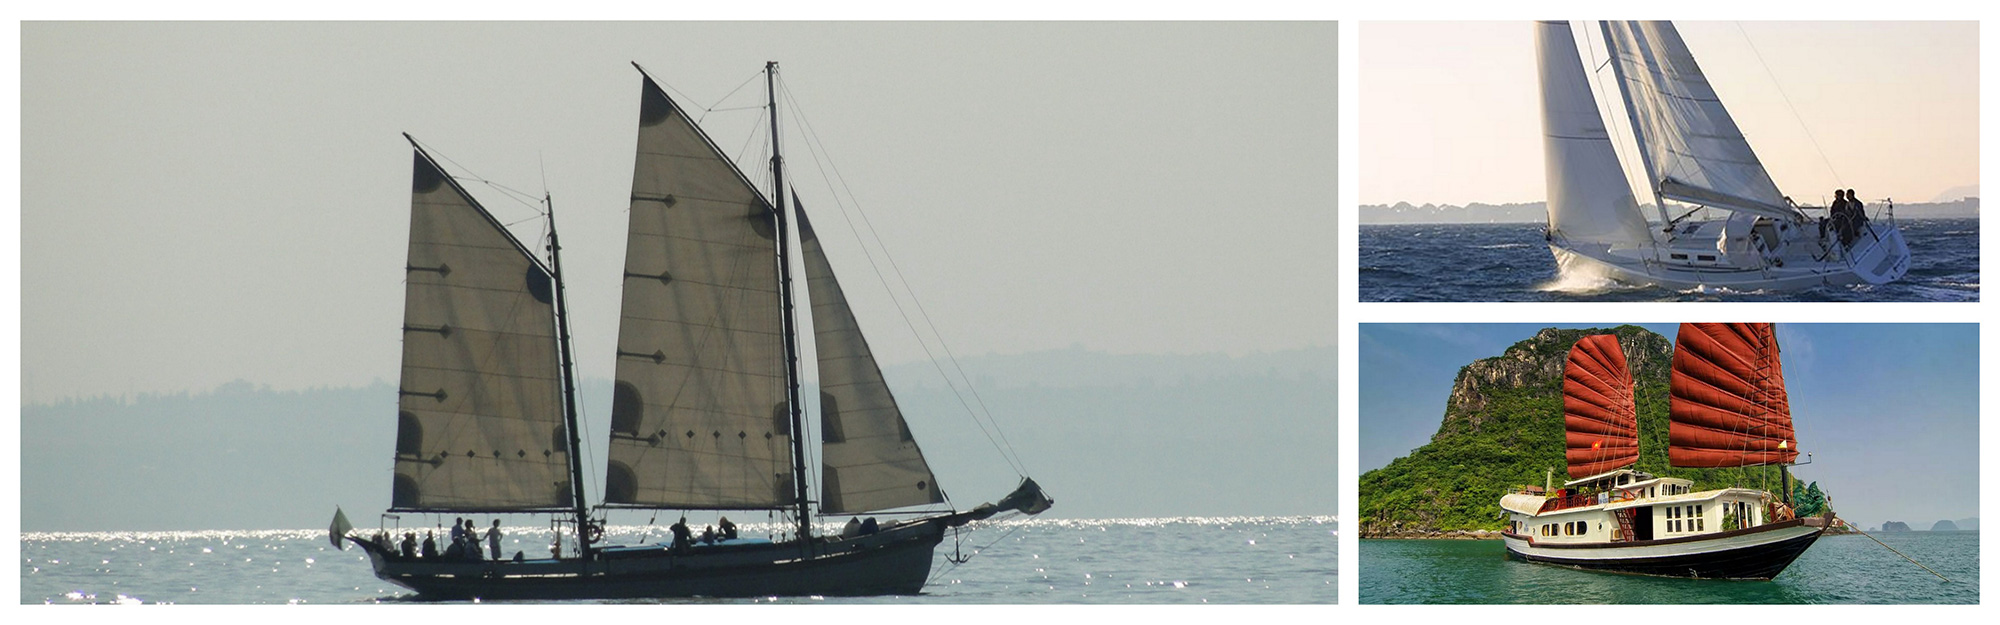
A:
430	545
681	536
869	526
728	529
708	535
410	545
852	529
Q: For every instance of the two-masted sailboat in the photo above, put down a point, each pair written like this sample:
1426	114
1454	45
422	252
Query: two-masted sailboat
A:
705	408
1694	157
1729	409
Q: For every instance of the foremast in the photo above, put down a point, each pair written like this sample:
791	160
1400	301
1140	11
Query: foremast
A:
801	503
582	510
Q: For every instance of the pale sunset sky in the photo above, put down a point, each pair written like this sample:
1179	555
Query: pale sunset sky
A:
1450	111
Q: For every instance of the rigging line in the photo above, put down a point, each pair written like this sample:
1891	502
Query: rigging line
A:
756	131
820	163
1008	450
1788	104
725	98
505	191
815	146
955	564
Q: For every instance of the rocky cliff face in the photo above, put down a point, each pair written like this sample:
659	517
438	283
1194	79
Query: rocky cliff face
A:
1536	364
1502	427
1944	526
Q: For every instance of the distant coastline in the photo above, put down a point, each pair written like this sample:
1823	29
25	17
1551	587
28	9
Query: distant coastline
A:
1402	213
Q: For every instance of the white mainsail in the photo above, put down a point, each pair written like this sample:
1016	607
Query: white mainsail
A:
698	417
1589	201
870	460
480	425
1693	150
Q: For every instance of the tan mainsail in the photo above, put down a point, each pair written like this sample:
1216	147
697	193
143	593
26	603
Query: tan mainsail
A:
480	425
870	461
698	410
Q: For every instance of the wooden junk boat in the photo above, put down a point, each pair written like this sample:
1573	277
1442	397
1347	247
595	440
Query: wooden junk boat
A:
1729	409
705	409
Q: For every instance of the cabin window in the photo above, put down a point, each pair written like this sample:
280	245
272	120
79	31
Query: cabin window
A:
1707	257
1678	256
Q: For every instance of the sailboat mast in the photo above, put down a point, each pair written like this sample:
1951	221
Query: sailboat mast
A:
785	289
1632	113
569	388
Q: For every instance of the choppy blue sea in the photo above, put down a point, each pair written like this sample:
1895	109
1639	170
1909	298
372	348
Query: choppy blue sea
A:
1240	560
1836	569
1510	262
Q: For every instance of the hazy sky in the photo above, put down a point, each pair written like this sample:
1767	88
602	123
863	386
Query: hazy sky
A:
1882	407
203	202
1450	111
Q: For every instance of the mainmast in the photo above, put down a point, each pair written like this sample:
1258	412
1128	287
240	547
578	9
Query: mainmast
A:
785	291
569	388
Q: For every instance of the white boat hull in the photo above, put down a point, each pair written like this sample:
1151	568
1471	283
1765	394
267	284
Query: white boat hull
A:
1756	553
1879	257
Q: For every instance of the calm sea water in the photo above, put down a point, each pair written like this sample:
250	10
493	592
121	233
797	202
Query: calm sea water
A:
1837	569
1510	262
1251	560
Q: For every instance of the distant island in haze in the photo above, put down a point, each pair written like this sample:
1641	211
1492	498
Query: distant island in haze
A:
1107	435
1537	212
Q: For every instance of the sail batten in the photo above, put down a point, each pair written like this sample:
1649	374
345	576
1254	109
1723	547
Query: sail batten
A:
1685	136
1589	201
1729	405
699	409
871	462
480	416
1600	421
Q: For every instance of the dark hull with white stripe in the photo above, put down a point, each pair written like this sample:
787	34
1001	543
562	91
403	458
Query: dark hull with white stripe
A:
896	561
1759	553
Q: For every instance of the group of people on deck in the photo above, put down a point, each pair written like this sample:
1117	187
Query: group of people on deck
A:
1846	216
465	539
684	538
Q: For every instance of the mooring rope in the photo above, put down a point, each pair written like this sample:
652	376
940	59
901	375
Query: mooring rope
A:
1884	545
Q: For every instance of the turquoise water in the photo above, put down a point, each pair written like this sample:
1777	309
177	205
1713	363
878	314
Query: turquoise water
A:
1837	569
1248	560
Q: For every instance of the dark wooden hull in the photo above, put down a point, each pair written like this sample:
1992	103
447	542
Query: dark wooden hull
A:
1758	554
895	561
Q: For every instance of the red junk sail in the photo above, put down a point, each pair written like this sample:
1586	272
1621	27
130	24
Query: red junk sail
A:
1729	404
1600	424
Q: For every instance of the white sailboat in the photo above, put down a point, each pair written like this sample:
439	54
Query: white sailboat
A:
1693	157
705	408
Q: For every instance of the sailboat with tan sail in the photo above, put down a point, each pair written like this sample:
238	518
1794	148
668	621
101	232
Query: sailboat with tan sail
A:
705	409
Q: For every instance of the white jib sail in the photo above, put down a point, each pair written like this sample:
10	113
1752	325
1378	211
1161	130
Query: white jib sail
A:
480	419
1696	152
1589	201
698	416
870	461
